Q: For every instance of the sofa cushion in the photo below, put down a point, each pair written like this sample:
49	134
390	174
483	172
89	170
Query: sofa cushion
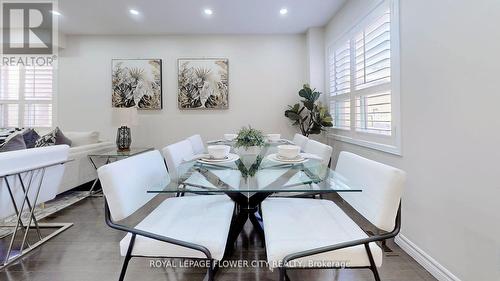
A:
293	225
82	138
30	137
90	148
203	220
14	142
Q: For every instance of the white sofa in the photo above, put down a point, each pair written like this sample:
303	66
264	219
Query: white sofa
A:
80	170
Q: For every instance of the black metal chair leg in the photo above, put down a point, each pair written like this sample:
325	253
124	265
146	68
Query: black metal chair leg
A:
286	277
282	274
212	269
127	258
373	266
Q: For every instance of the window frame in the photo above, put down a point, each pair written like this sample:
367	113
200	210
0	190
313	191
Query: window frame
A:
21	102
386	143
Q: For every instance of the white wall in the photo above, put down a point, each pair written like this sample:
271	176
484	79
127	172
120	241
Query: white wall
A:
315	42
265	74
450	131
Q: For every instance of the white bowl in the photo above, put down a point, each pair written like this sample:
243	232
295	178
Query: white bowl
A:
218	151
230	137
288	151
273	137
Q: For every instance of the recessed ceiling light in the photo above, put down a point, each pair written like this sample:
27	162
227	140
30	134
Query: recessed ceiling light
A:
284	11
56	13
133	12
208	12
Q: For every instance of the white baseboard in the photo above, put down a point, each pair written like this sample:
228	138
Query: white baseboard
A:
430	264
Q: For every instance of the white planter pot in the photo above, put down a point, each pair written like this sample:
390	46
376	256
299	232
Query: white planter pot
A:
252	150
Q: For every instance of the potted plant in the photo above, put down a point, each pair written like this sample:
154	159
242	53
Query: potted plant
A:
249	140
311	117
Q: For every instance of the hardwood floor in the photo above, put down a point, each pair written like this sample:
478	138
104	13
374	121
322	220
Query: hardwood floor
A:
89	251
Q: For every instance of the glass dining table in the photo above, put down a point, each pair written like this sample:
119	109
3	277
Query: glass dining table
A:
251	178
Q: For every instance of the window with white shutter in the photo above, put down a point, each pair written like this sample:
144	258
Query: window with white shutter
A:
364	81
26	96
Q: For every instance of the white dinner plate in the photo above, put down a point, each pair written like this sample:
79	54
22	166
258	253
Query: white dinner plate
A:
274	157
230	158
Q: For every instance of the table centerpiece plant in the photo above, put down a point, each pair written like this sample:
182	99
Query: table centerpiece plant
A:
250	140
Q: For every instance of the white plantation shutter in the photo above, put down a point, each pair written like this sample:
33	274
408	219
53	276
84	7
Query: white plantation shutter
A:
340	66
9	83
26	95
373	53
361	80
37	115
373	113
9	115
373	77
38	83
341	113
340	85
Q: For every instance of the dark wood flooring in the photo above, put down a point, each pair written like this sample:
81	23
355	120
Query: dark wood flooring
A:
89	251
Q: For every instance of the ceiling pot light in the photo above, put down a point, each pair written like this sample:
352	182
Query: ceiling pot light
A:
284	11
133	12
208	12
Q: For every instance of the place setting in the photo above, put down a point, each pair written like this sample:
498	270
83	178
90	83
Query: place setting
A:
275	139
228	138
218	154
288	154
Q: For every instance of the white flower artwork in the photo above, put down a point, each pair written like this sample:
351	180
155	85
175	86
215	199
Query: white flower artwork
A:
203	84
137	83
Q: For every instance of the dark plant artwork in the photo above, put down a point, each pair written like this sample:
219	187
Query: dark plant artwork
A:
137	83
203	84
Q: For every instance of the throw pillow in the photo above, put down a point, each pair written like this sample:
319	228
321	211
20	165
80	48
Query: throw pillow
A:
53	138
61	138
15	142
46	140
30	137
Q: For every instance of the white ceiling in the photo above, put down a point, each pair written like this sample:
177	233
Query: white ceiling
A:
187	17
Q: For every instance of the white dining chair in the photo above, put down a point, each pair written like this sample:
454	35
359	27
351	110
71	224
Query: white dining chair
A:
321	150
29	178
30	160
337	241
197	144
171	230
300	140
175	154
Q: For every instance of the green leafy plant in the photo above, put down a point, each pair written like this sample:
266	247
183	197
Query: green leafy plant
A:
311	117
248	137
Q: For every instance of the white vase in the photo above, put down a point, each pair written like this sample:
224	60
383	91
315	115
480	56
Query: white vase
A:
252	150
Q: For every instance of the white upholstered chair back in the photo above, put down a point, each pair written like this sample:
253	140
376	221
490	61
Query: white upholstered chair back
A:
125	182
300	140
22	160
319	149
175	154
197	144
382	187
